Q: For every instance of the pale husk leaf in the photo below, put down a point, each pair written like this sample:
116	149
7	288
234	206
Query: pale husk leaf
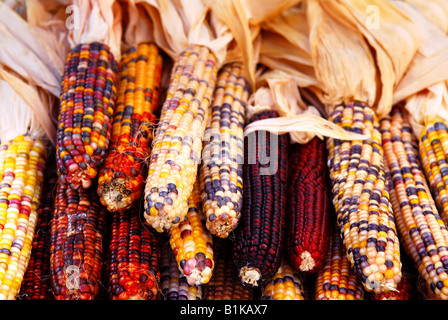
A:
435	11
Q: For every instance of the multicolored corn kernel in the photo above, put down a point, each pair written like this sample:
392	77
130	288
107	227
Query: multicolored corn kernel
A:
433	150
336	279
225	284
192	243
287	284
173	284
259	239
22	167
121	180
77	243
177	144
36	281
221	172
309	209
86	108
361	199
422	231
133	258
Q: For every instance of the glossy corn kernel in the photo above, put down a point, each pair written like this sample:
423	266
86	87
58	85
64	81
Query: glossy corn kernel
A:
192	243
22	166
259	238
361	199
287	284
77	243
433	150
309	209
225	284
121	180
423	233
86	107
133	258
36	282
177	144
336	279
173	284
221	172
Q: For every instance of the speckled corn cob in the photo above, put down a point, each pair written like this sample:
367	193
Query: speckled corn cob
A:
87	101
225	284
221	173
77	243
177	146
22	166
133	257
336	279
259	239
173	284
422	231
287	284
192	243
121	180
361	199
309	209
36	282
433	150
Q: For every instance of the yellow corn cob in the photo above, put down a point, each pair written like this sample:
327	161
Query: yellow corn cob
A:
223	155
192	243
361	199
424	234
177	143
22	165
286	284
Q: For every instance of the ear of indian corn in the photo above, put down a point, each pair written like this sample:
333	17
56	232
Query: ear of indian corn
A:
177	144
221	170
86	107
361	199
36	282
173	284
77	243
308	213
423	233
287	284
192	243
22	166
260	236
133	257
121	179
336	279
225	283
433	151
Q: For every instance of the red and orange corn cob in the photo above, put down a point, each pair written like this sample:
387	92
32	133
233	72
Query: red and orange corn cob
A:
87	101
133	258
336	279
287	284
221	172
260	236
177	144
174	285
36	281
121	180
310	206
192	243
224	283
77	243
361	199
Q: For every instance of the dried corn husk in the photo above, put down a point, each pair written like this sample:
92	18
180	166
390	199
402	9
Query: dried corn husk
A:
435	11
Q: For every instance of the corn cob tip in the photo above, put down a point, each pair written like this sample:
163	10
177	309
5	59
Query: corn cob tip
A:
307	261
222	226
197	272
250	276
116	196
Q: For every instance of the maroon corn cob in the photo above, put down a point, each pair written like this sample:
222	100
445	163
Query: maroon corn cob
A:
76	247
133	257
259	238
310	206
36	280
224	283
